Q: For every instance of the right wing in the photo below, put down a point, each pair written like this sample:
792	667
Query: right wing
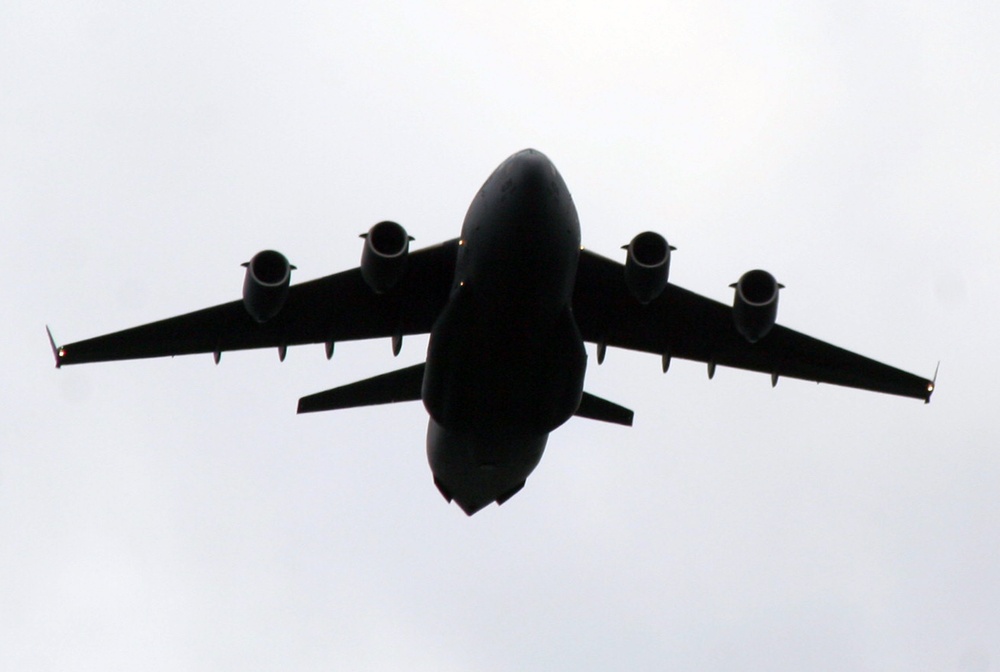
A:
339	307
680	323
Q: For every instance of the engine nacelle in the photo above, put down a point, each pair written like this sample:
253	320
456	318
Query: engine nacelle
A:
265	285
383	260
647	266
755	306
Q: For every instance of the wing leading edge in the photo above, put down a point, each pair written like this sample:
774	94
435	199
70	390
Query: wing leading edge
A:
338	307
680	323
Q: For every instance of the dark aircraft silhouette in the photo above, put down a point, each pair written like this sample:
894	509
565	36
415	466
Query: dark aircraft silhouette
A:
508	307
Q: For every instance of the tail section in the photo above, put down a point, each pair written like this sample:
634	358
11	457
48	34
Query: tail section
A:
388	388
406	385
595	408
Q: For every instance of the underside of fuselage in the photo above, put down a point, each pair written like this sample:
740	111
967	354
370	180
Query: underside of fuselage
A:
505	361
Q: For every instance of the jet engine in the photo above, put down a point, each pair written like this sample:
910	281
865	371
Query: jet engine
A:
265	285
647	266
755	306
383	260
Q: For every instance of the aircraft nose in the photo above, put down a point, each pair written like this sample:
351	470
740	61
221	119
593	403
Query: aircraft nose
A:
529	166
531	174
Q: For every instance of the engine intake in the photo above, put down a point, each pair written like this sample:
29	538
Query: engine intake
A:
755	305
647	266
265	285
383	259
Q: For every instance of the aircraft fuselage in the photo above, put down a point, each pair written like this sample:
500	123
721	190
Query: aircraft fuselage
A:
505	361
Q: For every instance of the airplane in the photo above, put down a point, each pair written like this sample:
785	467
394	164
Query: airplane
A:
508	305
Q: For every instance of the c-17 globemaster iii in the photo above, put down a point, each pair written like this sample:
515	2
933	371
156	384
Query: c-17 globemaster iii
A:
508	306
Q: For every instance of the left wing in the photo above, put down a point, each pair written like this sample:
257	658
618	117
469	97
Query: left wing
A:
337	307
683	324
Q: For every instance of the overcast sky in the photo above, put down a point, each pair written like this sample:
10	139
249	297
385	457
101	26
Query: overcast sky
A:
176	515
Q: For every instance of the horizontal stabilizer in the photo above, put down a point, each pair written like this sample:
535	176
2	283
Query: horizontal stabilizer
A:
402	385
596	408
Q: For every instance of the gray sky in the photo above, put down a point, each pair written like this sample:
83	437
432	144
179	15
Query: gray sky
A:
171	514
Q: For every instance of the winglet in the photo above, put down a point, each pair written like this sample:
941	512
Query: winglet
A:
57	352
931	385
